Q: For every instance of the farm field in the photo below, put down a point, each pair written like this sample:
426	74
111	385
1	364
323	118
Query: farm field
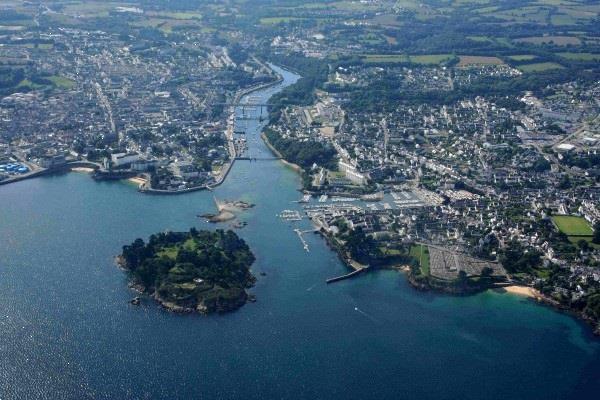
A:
278	20
540	67
430	59
385	58
580	56
479	60
522	57
426	59
557	40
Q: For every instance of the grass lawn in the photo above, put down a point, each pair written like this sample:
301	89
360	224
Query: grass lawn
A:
62	82
170	252
572	226
26	83
190	244
421	253
390	252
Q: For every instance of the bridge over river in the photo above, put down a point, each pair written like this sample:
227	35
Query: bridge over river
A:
251	159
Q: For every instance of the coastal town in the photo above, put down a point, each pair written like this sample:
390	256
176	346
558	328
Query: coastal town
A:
503	190
160	112
464	169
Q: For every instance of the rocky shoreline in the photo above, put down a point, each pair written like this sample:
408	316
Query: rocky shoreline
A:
539	298
201	308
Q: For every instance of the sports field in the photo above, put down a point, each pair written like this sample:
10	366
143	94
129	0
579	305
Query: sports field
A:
572	225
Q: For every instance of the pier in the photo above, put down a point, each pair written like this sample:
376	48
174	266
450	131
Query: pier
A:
347	276
300	233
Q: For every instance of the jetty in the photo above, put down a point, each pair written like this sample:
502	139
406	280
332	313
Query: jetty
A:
347	276
300	233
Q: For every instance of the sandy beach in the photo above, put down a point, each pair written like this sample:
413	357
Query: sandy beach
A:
523	291
137	180
82	169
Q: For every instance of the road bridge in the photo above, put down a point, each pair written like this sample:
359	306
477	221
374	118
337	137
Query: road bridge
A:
257	158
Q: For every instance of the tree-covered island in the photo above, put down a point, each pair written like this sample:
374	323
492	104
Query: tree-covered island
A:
201	271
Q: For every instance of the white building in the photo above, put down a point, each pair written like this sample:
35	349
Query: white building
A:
123	159
352	173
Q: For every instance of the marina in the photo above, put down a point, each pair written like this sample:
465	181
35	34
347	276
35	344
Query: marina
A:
290	215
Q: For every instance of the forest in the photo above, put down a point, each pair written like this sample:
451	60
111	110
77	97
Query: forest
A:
201	271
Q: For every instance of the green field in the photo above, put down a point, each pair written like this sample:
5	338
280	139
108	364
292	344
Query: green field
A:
176	15
557	40
386	58
62	82
430	58
426	59
540	67
575	240
421	254
572	225
480	39
478	60
26	83
278	20
580	56
522	57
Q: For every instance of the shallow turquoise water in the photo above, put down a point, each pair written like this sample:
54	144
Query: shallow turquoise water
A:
68	331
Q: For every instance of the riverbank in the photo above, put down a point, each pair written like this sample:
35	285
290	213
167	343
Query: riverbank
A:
276	152
226	169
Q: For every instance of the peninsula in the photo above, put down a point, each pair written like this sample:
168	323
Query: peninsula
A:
195	271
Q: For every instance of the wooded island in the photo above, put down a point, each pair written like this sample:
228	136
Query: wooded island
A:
201	271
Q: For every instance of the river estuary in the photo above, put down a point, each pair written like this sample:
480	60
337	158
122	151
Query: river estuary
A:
68	332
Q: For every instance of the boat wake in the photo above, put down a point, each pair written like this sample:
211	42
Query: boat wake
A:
358	310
